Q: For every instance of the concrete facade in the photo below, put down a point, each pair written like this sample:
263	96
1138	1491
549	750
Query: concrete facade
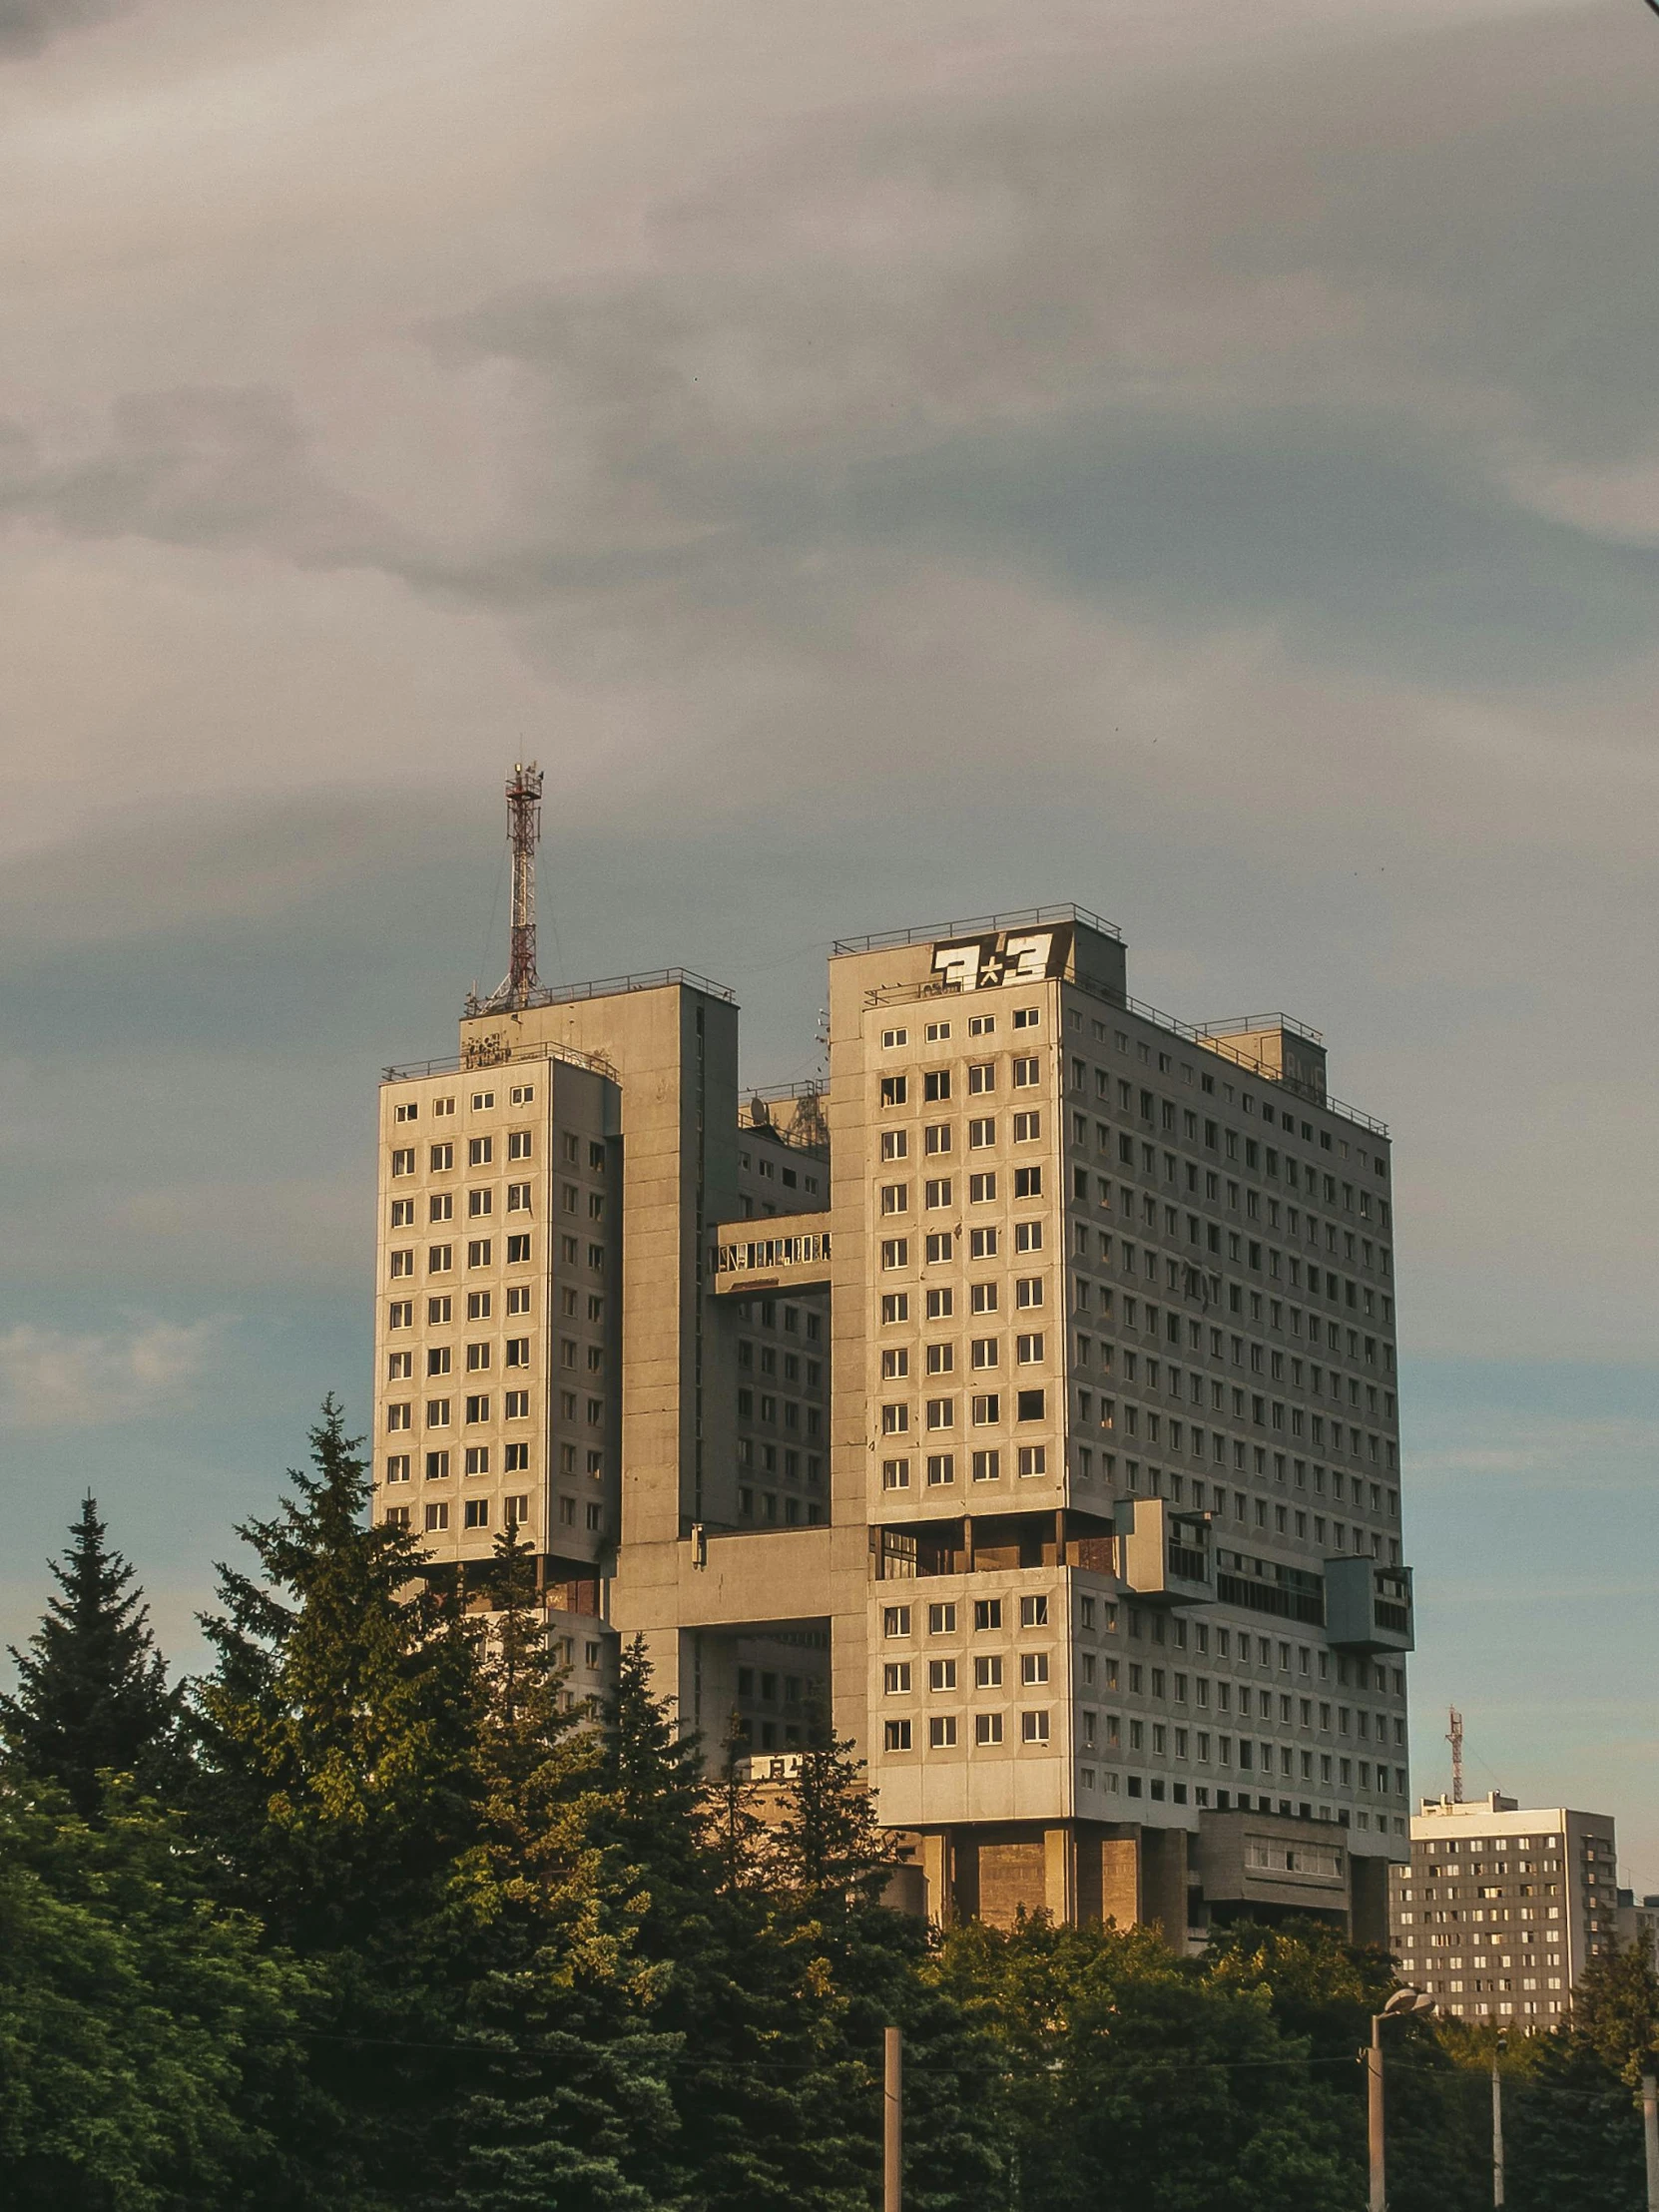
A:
1501	1909
1027	1394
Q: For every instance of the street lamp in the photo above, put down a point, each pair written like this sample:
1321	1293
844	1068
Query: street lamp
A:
1401	2002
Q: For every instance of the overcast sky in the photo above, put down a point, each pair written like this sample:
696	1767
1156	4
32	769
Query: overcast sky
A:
888	461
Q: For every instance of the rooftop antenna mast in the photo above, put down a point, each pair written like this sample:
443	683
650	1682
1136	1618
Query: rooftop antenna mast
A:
523	836
1454	1737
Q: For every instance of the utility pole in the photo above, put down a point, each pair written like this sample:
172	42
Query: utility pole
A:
1498	2119
1650	2135
1403	2001
892	2122
523	833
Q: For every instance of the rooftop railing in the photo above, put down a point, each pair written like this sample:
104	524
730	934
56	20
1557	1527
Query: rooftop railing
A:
610	987
490	1052
1026	918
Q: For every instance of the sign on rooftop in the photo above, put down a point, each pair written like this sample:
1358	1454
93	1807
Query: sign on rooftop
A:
1001	956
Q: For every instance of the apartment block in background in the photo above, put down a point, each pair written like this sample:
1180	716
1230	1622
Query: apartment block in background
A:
1499	1910
1025	1392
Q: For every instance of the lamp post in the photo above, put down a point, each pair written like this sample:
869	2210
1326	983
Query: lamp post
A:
1401	2002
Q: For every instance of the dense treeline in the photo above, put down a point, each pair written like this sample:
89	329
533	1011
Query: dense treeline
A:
368	1918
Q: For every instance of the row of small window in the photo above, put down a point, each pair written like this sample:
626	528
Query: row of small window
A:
480	1153
480	1357
897	1675
988	1729
764	1313
480	1305
939	1137
480	1253
983	1352
1380	1450
985	1412
480	1204
792	1463
1032	1460
1187	1281
979	1025
941	1246
939	1192
1163	1113
1206	1235
1027	1074
516	1405
768	1168
940	1302
769	1362
475	1513
769	1508
515	1459
897	1620
521	1094
1235	1350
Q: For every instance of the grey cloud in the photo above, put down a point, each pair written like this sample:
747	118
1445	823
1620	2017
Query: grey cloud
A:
27	26
197	467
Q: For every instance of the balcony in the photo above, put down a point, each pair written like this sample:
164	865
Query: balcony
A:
1166	1557
1367	1607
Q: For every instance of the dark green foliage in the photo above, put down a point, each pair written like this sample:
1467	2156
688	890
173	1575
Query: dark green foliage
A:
92	1690
1136	2081
151	2051
400	1930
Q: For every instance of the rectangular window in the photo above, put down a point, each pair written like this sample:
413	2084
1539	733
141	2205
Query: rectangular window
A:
519	1198
1028	1291
1033	1460
398	1516
478	1410
941	1731
896	1677
895	1620
940	1246
397	1468
981	1077
515	1459
402	1264
984	1352
1027	1128
518	1251
1033	1728
1029	1182
477	1252
942	1413
401	1314
895	1306
895	1736
937	1193
896	1198
895	1251
942	1674
1033	1667
981	1243
1027	1074
477	1458
480	1151
988	1410
895	1474
402	1161
987	1728
936	1138
941	1304
895	1420
895	1362
437	1467
987	1466
982	1188
1029	1351
402	1213
398	1417
1030	1405
936	1085
982	1298
518	1352
981	1134
894	1090
941	1469
517	1406
1028	1235
987	1613
438	1412
437	1517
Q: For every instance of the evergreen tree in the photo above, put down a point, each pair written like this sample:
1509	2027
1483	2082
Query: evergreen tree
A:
563	2101
338	1781
92	1692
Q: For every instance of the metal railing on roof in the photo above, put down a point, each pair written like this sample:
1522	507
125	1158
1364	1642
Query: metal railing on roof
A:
1026	918
610	987
1250	1024
492	1054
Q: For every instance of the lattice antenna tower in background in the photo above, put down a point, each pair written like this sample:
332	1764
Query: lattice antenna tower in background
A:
1454	1737
523	836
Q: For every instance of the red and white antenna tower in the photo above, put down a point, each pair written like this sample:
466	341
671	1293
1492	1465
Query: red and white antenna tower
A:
523	835
1454	1737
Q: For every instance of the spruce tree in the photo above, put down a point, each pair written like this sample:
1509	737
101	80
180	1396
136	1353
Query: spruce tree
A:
338	1781
562	2098
92	1693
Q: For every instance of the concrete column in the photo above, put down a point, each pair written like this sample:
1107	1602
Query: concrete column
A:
938	1866
1164	1883
1369	1900
1060	1874
1120	1878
